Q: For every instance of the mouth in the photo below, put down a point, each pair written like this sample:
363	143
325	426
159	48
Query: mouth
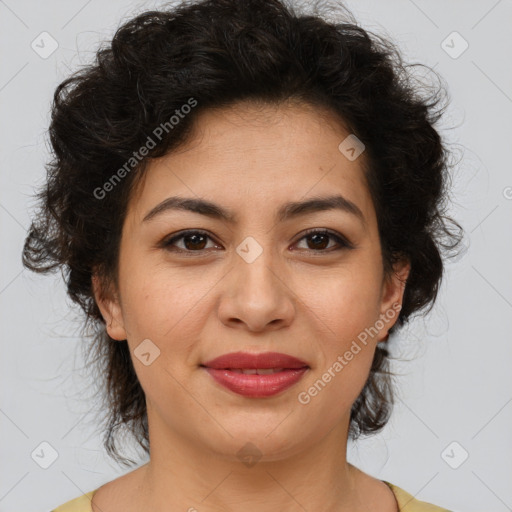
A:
256	375
255	385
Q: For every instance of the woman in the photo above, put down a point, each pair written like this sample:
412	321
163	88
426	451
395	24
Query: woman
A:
248	201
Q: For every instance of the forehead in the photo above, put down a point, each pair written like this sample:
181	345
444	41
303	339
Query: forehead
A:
250	156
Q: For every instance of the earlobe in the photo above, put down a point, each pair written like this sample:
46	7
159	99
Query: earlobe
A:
110	309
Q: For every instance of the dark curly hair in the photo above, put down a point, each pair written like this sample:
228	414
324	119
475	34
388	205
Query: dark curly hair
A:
212	54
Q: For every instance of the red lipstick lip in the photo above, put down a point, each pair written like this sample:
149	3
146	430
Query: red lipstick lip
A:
248	361
255	385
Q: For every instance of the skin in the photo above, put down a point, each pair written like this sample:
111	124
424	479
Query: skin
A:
293	298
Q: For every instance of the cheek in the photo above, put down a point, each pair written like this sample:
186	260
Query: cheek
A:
346	346
165	307
345	303
344	308
163	304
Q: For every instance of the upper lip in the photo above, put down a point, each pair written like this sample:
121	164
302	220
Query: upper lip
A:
246	360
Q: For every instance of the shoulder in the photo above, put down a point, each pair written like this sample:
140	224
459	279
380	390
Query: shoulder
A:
408	503
80	504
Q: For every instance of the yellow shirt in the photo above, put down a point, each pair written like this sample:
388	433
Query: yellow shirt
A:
406	502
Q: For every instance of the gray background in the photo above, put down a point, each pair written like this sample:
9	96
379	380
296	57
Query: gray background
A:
456	386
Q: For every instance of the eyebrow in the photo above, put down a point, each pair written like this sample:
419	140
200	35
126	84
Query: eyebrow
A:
287	211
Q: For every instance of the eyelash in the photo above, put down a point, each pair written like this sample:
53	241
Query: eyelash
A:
340	240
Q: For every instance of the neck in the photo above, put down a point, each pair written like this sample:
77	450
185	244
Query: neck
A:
191	477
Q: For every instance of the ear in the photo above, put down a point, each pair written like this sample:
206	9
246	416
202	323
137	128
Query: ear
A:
393	289
108	303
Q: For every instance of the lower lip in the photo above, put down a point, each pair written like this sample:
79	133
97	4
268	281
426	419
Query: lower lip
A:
257	386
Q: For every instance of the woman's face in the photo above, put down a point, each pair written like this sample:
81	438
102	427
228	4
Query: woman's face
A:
255	283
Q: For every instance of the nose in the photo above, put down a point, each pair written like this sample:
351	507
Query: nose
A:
256	297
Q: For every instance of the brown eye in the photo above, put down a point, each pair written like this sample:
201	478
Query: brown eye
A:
318	240
192	241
